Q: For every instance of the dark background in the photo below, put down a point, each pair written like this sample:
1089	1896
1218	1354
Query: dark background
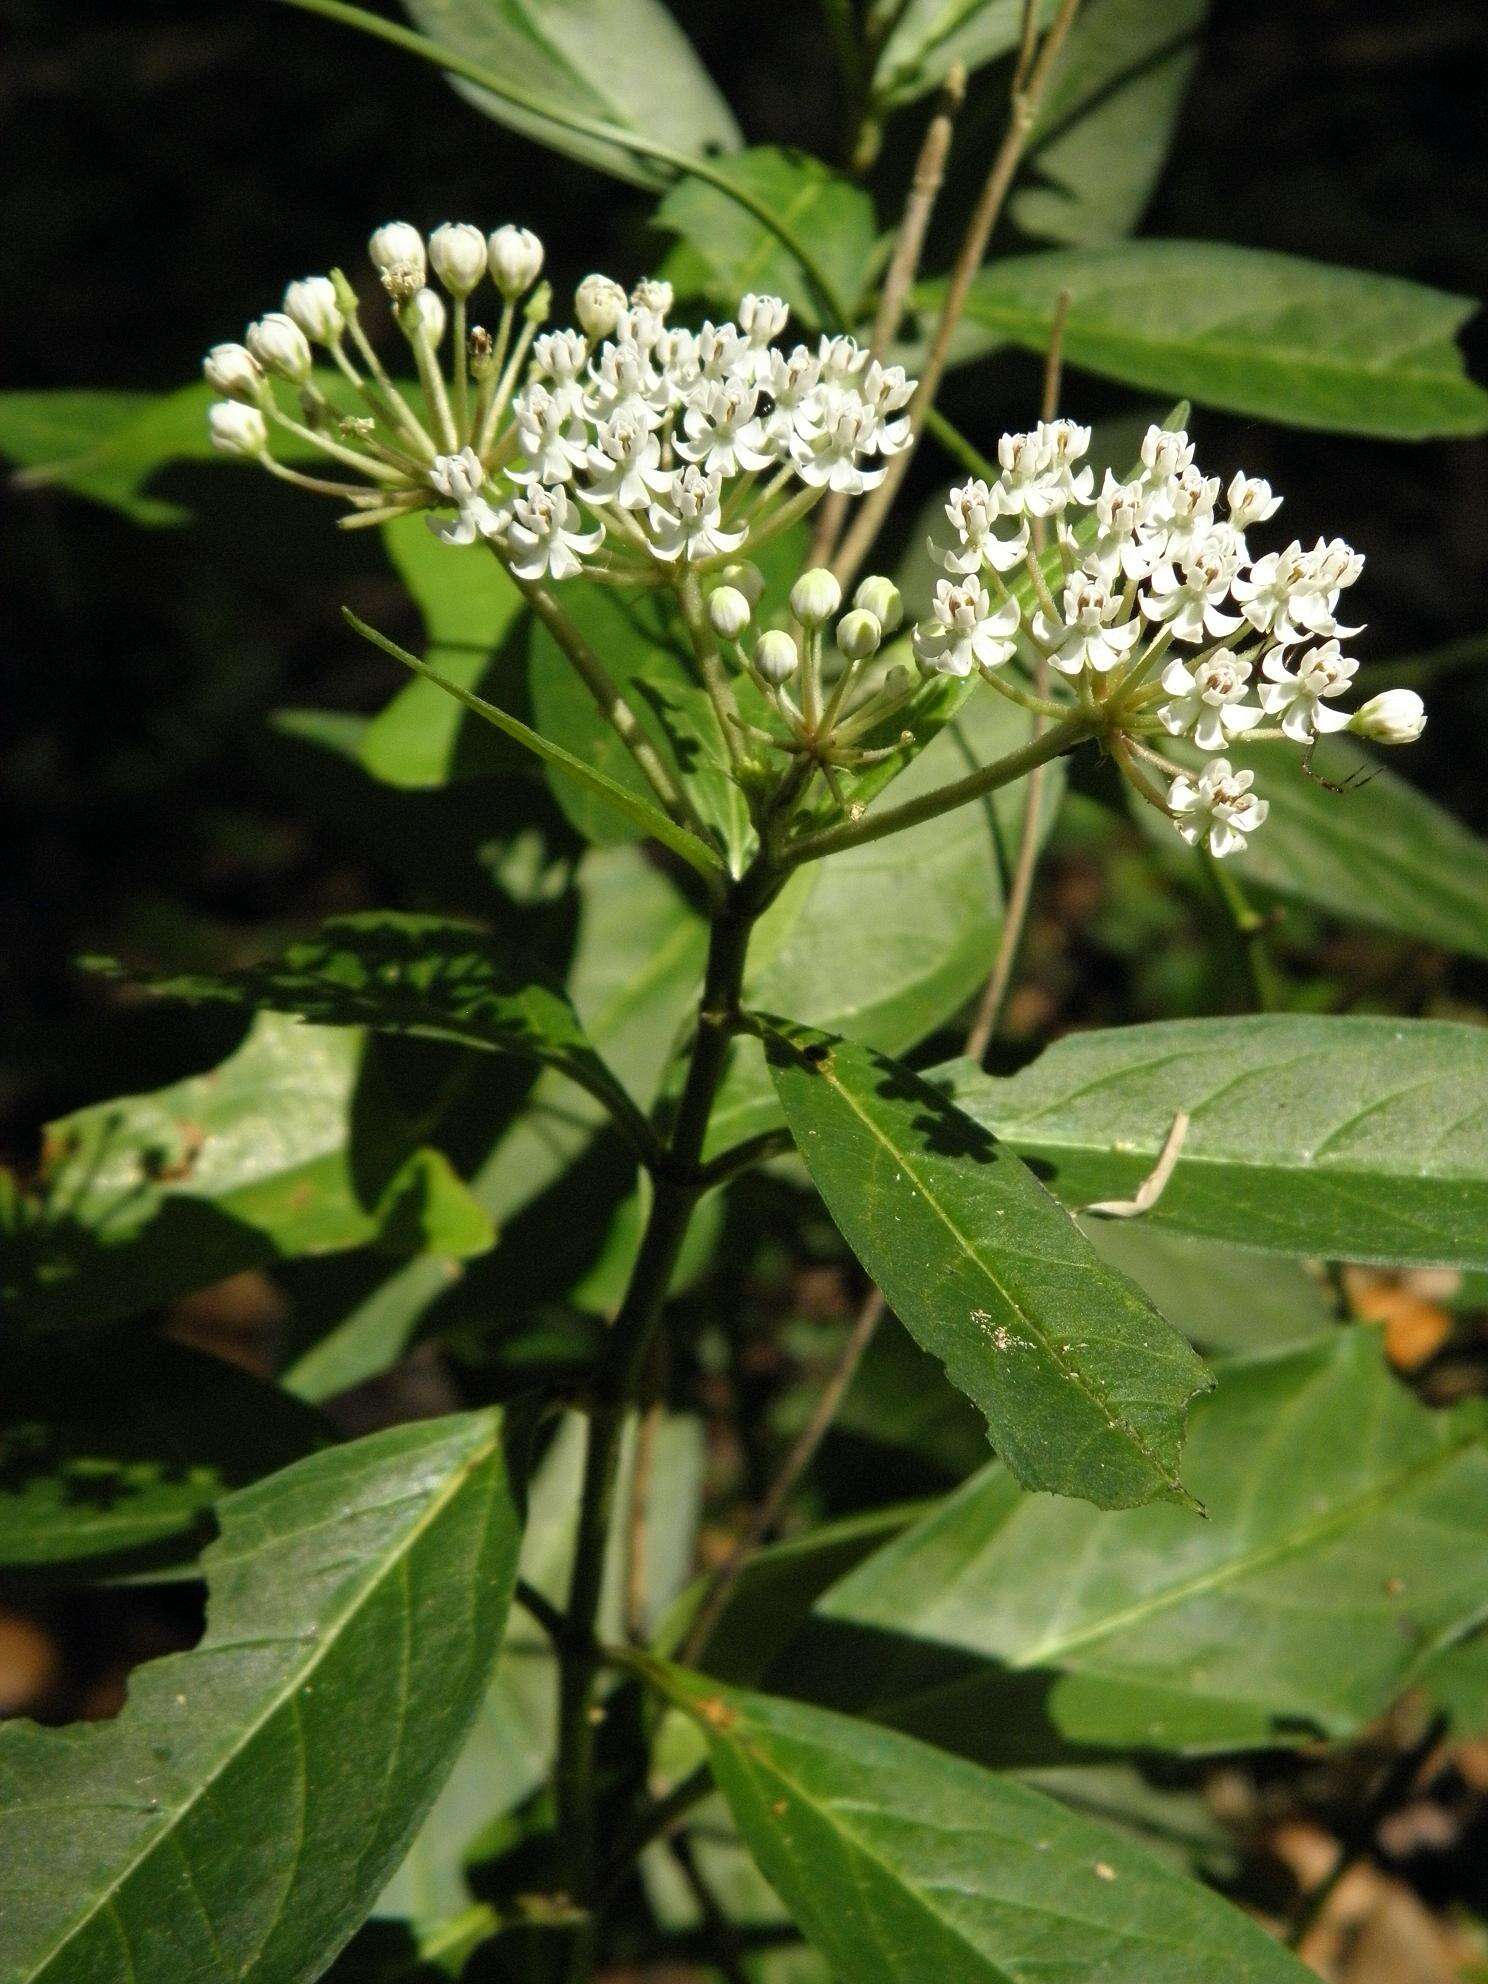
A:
168	166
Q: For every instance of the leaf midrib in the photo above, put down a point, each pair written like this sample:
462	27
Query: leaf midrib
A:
1090	1392
325	1643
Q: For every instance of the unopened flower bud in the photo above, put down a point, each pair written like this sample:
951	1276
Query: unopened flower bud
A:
458	254
515	258
314	305
776	656
280	346
815	597
599	304
728	611
859	634
236	429
233	371
880	597
398	246
744	578
652	293
1397	716
425	311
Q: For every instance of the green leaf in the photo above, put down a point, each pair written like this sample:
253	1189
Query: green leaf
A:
626	64
1107	121
428	1208
1381	853
510	1749
886	941
651	820
641	647
1225	1301
128	1447
237	1819
1338	1556
108	445
725	252
1248	331
424	976
931	36
1082	1384
905	1866
422	737
1359	1138
143	1198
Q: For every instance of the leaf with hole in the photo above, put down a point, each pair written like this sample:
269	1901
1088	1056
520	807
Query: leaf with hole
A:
238	1818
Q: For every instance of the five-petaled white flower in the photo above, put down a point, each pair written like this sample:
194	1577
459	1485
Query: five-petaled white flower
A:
1218	806
965	631
973	510
1208	700
1298	697
1187	597
1087	637
539	538
690	524
461	480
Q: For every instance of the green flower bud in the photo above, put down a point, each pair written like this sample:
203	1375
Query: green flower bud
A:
776	656
815	597
880	597
859	634
747	579
728	612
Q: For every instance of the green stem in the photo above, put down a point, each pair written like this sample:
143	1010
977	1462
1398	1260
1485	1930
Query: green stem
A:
679	1184
633	142
705	647
1249	926
930	805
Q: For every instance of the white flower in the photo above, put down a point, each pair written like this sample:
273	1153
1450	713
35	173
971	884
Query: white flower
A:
460	479
233	371
1087	638
599	304
1395	716
1065	441
973	509
1127	544
1250	501
690	526
1208	701
652	294
539	539
828	456
624	383
1292	594
1186	509
1165	454
1028	485
792	383
1297	697
624	464
551	440
1218	804
399	247
236	429
723	431
761	319
883	390
964	632
514	255
313	305
281	347
842	358
559	359
458	253
1188	598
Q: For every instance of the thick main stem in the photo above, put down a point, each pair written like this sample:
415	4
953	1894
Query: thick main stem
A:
679	1183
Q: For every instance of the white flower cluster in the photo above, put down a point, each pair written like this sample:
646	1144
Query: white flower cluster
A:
1142	565
626	447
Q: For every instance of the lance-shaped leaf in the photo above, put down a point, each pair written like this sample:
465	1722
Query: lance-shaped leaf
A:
1356	1137
293	1145
126	1448
1252	332
425	976
930	37
238	1818
625	65
649	818
1341	1551
1082	1383
903	1865
1379	853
